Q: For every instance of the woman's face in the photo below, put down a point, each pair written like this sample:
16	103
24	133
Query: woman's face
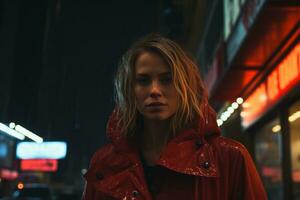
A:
153	87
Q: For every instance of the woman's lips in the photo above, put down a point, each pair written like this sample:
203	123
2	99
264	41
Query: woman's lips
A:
155	104
155	107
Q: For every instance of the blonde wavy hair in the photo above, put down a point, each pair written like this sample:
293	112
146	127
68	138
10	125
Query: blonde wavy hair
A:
186	79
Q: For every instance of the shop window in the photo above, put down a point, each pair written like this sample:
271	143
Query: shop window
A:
294	120
268	158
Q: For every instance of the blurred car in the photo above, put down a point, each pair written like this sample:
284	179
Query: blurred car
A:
33	192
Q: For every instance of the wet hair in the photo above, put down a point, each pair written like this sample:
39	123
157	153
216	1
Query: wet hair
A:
186	79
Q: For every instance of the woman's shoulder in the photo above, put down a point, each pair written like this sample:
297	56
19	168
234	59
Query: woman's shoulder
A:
228	145
96	162
109	157
102	153
104	162
230	152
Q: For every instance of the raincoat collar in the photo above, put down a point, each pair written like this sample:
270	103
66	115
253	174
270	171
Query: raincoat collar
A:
188	152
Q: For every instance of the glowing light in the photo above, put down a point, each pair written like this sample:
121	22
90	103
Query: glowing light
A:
3	150
20	186
288	70
234	105
11	132
43	165
228	114
230	110
45	150
245	105
272	85
29	134
255	105
224	118
284	77
12	125
243	114
8	174
276	128
263	97
219	122
240	100
294	116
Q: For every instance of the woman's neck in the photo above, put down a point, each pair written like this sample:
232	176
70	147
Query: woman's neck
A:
154	137
155	133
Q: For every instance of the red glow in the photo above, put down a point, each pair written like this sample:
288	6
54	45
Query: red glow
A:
274	173
272	83
271	171
296	176
8	174
45	165
259	97
288	69
279	82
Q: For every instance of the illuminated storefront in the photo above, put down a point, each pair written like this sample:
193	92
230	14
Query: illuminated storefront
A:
40	157
276	85
259	60
271	113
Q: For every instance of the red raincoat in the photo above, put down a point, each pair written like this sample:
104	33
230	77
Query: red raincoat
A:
196	164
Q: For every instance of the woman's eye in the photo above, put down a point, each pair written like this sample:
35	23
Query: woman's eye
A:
166	80
142	80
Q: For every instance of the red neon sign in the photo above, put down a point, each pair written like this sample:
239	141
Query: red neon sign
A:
45	165
273	85
278	83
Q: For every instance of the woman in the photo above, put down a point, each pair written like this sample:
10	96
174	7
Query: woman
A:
165	143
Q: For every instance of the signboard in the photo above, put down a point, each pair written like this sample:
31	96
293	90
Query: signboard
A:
278	83
45	150
232	10
239	15
44	165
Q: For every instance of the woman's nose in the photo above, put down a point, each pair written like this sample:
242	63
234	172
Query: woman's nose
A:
155	90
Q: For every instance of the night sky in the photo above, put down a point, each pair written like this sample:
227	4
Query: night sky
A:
95	35
59	58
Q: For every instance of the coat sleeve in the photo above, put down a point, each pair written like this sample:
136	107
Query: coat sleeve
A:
90	177
90	193
248	184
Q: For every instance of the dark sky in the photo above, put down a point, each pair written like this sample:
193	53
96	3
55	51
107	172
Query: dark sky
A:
60	57
95	35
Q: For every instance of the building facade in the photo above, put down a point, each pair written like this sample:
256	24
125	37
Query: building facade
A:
257	58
